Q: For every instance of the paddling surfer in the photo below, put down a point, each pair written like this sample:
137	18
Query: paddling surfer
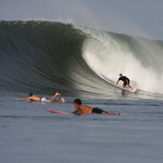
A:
126	81
84	109
42	99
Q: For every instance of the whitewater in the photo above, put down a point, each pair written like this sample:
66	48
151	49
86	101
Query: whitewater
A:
46	57
140	59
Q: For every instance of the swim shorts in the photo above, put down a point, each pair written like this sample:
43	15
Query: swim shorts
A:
98	111
43	99
124	78
125	83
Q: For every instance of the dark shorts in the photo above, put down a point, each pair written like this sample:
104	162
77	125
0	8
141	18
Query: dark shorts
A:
125	83
98	111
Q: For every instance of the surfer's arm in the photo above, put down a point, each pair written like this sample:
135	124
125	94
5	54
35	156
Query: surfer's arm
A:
76	111
24	99
117	82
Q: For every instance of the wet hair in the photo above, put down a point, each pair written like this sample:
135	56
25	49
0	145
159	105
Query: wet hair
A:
77	101
30	94
120	74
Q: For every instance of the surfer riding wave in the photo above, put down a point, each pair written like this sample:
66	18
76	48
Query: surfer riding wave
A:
126	81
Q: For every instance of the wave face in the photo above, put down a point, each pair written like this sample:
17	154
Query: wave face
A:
46	56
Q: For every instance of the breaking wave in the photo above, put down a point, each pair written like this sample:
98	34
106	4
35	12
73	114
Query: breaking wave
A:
47	56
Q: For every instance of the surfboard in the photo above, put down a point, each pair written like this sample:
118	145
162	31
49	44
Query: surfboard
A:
58	112
136	90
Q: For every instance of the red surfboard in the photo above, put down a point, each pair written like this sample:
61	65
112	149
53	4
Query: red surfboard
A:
59	112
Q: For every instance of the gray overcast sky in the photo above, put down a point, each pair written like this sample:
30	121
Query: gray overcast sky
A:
136	17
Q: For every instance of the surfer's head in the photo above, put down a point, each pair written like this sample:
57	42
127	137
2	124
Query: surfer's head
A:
120	75
30	94
77	101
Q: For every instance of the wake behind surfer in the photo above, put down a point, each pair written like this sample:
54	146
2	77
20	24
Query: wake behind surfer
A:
42	99
126	81
84	109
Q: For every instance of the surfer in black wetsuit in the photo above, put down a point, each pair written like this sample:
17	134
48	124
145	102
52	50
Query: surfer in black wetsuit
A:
126	81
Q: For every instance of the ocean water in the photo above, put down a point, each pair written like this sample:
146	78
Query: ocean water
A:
29	133
48	57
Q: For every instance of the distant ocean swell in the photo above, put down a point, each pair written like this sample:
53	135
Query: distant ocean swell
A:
46	56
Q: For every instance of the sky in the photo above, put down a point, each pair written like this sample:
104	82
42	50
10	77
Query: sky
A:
135	17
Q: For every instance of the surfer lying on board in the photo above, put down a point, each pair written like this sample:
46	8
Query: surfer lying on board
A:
83	109
126	81
42	99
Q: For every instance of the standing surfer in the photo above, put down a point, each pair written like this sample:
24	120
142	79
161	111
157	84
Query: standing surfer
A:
126	81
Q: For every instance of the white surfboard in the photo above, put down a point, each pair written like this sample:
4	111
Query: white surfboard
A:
135	90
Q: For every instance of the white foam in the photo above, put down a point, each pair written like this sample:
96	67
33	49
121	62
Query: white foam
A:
107	58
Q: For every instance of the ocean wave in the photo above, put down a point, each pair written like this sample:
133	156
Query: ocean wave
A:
77	61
